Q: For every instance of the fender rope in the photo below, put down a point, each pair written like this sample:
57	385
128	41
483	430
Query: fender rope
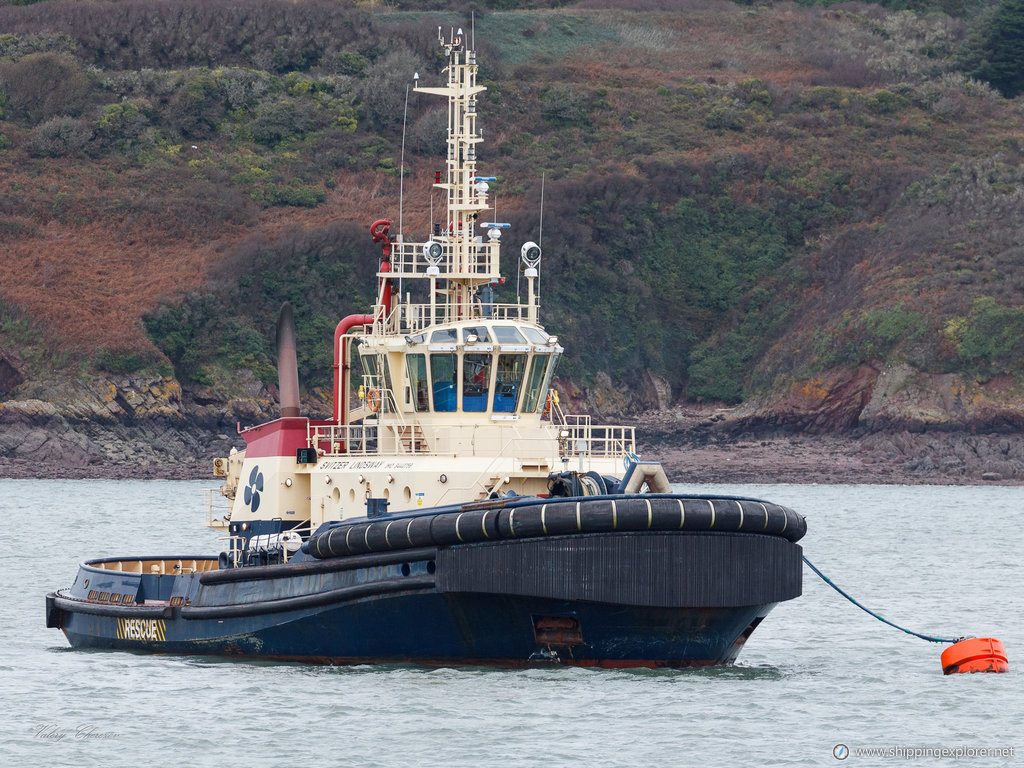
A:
828	581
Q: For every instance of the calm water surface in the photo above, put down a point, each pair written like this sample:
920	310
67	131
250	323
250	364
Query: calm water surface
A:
817	673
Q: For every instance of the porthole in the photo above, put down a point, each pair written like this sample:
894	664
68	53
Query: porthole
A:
351	494
336	494
407	493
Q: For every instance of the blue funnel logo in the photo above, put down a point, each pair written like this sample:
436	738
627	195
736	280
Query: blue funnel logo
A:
254	488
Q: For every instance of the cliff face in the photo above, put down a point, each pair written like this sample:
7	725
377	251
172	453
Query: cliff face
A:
137	426
893	424
896	398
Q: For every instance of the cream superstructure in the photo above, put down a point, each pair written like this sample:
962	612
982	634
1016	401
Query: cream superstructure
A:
454	401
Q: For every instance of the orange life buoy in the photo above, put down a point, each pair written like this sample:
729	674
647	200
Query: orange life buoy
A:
976	654
373	400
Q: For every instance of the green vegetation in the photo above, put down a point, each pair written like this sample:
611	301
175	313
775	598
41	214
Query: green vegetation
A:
990	340
998	54
318	270
736	195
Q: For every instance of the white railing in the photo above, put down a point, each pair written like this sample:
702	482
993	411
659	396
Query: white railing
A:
413	318
212	521
585	439
457	259
576	438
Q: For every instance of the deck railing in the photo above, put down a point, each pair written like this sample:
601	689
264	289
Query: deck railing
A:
413	318
576	438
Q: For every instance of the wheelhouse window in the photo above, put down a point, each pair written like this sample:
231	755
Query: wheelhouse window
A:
480	332
508	382
537	380
417	366
443	369
535	336
476	381
508	334
444	336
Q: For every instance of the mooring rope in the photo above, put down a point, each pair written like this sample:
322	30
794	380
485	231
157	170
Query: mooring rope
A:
828	581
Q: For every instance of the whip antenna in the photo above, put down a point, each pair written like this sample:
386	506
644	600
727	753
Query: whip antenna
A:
540	229
401	171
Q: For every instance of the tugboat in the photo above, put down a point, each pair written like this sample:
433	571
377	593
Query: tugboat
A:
449	512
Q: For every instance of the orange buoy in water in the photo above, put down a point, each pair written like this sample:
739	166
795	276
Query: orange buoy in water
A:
978	654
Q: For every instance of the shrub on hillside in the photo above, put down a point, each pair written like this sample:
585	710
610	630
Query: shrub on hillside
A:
382	93
59	137
430	133
351	63
276	121
296	194
43	85
996	50
991	338
123	127
16	46
197	106
564	104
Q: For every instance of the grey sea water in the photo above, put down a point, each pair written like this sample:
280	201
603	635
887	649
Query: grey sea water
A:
818	673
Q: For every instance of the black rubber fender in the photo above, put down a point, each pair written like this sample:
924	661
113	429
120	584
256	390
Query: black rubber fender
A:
521	518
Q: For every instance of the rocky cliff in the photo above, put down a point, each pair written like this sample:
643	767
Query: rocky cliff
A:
893	424
130	426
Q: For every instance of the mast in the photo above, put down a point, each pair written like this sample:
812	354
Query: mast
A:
457	261
465	200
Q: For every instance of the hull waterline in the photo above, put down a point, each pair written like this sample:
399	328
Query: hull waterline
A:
607	600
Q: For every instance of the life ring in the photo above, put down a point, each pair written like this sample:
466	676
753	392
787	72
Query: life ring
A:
372	400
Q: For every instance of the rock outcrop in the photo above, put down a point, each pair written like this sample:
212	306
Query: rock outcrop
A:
892	424
127	425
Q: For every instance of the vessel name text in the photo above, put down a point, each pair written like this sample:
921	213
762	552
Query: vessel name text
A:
141	629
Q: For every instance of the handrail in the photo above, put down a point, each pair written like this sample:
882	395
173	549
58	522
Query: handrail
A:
210	499
413	317
385	439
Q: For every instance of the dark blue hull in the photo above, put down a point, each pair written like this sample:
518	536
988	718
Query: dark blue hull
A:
439	629
613	600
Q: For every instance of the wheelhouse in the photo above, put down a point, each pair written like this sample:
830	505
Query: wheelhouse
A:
478	366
